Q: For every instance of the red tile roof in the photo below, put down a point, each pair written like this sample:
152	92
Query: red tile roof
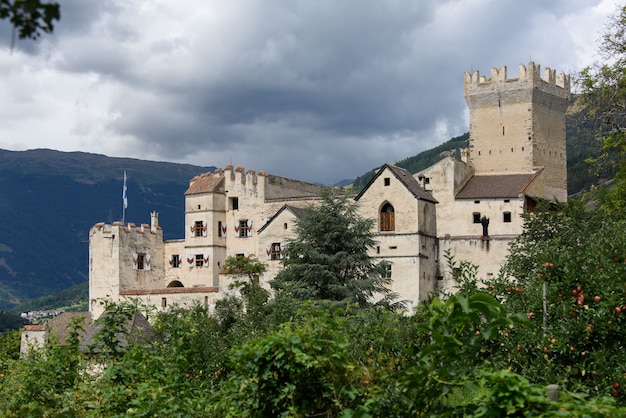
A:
206	183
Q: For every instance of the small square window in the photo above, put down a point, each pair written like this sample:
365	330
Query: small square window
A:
175	261
285	225
506	217
476	217
387	181
426	180
163	302
476	201
199	260
234	203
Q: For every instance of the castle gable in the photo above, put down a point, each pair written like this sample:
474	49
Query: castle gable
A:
298	213
411	184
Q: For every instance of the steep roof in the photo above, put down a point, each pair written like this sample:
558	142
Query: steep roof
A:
406	178
59	326
495	186
135	328
206	183
298	212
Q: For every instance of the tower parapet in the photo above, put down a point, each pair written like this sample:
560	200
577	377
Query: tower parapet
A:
517	124
560	84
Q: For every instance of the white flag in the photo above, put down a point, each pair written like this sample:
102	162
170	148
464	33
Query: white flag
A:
124	198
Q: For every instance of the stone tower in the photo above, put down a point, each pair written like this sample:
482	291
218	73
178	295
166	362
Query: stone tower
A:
518	125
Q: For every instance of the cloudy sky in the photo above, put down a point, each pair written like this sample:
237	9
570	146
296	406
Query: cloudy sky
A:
319	90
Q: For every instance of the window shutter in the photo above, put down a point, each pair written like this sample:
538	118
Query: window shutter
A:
283	247
147	262
268	251
249	232
204	228
205	260
192	229
191	259
135	257
236	230
223	229
171	261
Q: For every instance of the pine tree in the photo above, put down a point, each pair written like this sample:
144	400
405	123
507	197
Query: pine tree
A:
328	259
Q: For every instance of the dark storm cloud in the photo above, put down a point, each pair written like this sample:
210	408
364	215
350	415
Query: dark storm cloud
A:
320	90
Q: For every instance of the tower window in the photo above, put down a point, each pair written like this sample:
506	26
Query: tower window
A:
506	217
234	203
387	181
175	261
387	218
141	261
198	228
285	225
199	260
476	217
163	302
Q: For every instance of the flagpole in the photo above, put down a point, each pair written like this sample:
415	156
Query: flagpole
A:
124	200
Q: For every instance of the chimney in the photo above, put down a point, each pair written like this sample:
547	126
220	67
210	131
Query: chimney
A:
154	221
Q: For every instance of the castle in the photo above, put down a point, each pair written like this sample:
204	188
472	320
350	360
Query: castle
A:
470	206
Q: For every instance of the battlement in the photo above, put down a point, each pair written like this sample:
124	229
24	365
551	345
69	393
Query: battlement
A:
527	74
108	229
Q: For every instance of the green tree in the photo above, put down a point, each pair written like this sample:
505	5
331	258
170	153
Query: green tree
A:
328	259
566	273
30	17
603	94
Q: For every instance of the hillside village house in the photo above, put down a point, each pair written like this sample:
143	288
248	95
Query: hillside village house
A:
469	206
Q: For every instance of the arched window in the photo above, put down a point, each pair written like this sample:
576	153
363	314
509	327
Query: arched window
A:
387	218
175	283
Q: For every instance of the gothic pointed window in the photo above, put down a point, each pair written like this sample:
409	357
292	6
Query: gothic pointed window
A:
387	218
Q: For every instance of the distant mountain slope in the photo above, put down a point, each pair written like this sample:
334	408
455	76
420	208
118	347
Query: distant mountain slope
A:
50	199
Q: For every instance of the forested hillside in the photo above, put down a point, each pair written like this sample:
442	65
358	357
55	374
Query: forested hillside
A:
50	199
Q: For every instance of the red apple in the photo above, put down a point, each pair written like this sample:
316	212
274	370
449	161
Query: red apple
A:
616	385
596	298
574	292
579	289
618	310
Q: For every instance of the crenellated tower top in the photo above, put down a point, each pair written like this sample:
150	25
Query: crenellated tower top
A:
527	74
518	124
